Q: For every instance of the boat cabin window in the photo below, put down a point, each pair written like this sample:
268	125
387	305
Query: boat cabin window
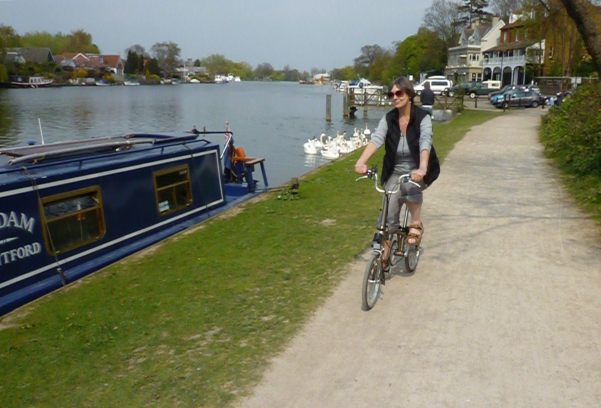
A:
72	219
173	189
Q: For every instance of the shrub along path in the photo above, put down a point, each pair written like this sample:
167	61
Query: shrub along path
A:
503	311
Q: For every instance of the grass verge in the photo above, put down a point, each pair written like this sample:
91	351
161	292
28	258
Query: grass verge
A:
193	323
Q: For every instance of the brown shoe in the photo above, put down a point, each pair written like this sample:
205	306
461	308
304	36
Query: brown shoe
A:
416	230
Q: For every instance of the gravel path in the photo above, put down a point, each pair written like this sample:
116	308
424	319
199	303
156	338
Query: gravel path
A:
503	311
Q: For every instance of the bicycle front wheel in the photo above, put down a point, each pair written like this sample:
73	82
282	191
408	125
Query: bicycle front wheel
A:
371	282
412	258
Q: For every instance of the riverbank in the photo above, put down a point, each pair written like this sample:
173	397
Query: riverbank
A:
193	321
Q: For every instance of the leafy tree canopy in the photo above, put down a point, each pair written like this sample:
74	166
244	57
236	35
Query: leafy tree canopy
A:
167	54
421	52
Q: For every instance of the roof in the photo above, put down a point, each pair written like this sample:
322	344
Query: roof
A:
112	61
512	46
515	24
36	55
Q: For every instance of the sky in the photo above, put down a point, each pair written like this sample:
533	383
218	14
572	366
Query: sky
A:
306	34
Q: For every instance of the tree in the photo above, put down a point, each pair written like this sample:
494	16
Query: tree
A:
586	17
441	18
216	64
131	65
290	74
369	53
422	52
77	41
152	67
504	8
167	55
80	41
473	10
344	74
138	49
378	69
8	38
263	71
566	48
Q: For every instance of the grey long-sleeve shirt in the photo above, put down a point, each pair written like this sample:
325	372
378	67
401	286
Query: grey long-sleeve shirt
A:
404	161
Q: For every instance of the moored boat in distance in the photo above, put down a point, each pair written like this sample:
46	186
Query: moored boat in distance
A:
31	82
68	209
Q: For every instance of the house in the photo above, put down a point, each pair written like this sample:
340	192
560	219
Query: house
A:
33	55
465	61
92	62
113	63
517	58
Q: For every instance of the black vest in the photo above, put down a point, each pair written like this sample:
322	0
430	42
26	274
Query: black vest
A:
393	136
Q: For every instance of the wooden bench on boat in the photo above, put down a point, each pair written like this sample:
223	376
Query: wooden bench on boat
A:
249	168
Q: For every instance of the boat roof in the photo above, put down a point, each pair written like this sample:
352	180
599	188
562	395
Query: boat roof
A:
78	148
60	160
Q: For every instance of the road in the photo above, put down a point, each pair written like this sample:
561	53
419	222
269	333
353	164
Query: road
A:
503	311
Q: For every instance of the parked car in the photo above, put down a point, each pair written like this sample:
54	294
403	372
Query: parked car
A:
502	91
518	97
438	84
472	89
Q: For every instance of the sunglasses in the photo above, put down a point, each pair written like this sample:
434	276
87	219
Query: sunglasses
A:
398	94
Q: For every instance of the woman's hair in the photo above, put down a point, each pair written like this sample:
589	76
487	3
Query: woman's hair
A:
404	85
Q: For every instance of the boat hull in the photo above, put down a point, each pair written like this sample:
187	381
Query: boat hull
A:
138	197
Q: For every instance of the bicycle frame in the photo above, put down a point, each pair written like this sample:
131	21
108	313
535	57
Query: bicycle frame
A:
375	273
382	234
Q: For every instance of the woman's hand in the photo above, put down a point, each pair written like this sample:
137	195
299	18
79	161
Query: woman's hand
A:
418	175
360	168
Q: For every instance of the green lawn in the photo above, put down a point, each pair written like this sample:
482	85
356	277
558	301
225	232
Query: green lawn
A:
193	322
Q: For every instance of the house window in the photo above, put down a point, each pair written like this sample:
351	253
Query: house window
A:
173	189
71	220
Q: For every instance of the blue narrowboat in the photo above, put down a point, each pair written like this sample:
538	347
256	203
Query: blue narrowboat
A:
68	209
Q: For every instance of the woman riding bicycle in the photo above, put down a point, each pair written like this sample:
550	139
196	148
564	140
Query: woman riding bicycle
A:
406	133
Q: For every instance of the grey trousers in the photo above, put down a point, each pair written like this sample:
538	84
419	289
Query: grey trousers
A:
408	192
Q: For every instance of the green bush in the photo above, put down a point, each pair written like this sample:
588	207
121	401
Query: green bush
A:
571	135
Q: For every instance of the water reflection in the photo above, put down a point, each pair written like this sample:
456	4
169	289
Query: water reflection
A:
6	138
315	160
269	119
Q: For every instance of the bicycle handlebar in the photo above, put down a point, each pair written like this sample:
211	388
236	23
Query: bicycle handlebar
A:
403	178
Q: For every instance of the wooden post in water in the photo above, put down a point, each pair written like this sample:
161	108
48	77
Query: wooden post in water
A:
345	107
328	108
364	103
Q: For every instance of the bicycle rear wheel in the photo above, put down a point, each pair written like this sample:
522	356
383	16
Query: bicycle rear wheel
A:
372	282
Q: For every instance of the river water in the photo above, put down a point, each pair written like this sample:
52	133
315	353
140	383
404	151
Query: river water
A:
269	119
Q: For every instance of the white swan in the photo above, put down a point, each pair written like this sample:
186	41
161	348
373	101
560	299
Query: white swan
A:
314	145
311	147
367	132
331	152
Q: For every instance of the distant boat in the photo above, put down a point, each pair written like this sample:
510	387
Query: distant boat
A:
226	79
32	82
131	83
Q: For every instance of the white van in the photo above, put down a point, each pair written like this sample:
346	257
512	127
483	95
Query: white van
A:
492	84
438	84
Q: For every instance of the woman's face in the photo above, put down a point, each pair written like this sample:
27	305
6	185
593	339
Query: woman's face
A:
399	98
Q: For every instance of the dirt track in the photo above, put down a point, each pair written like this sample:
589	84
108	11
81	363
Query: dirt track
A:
503	311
